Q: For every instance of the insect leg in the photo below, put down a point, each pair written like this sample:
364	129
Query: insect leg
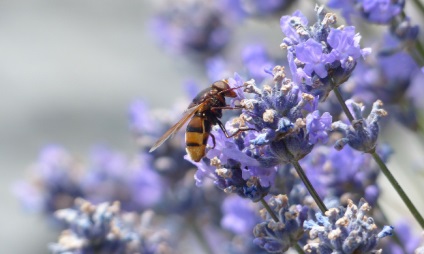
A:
213	140
236	132
227	107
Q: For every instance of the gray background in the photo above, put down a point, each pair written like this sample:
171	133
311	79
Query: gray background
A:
68	71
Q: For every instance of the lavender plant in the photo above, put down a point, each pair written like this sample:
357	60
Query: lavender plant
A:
299	157
345	230
104	229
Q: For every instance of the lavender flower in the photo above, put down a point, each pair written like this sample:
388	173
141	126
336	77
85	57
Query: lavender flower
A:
239	215
246	164
318	126
386	12
59	179
407	239
379	12
195	27
230	177
111	176
320	57
287	181
363	133
404	31
256	62
245	8
343	230
380	76
277	237
104	229
54	184
285	135
217	68
345	174
262	8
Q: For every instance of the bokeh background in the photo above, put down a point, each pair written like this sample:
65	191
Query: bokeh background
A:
68	71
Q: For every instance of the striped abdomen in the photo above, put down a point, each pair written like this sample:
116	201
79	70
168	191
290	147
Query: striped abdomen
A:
196	137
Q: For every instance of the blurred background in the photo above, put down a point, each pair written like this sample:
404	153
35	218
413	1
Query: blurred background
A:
69	70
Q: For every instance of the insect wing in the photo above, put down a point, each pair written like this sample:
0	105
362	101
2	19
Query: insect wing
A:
169	133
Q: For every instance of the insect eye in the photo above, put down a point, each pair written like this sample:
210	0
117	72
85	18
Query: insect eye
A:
221	85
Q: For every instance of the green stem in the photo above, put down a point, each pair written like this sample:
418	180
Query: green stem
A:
201	237
309	186
275	218
417	52
419	5
343	104
420	48
299	248
399	189
269	210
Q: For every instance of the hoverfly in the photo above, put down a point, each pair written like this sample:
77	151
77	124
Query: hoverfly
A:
204	111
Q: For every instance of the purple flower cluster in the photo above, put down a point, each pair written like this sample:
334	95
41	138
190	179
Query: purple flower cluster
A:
380	76
362	134
407	241
285	145
343	230
256	61
284	134
54	182
320	56
380	12
195	27
343	175
279	236
240	215
204	28
383	12
245	8
105	229
134	183
59	179
246	164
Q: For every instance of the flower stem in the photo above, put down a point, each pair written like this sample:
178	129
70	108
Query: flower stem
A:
343	104
299	248
416	52
399	189
269	210
419	5
419	47
275	218
201	237
309	186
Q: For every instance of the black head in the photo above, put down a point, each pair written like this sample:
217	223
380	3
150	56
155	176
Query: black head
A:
224	88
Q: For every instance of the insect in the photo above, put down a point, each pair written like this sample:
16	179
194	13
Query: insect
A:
204	111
